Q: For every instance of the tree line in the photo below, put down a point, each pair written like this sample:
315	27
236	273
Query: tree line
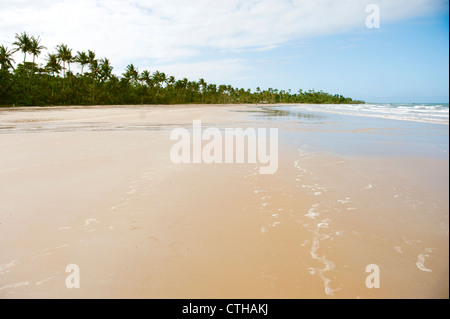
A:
54	83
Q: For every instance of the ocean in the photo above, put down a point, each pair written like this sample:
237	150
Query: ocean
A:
365	129
421	112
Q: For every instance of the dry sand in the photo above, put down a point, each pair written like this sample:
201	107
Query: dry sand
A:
95	187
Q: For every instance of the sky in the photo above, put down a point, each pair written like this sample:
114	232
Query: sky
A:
280	44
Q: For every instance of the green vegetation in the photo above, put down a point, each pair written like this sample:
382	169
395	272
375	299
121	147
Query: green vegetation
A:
55	84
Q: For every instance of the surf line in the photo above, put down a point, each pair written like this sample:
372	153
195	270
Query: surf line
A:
234	145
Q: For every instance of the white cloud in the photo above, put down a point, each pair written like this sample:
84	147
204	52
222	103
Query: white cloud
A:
162	31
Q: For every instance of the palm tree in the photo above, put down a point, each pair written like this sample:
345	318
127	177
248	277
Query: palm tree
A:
53	65
94	67
203	84
105	69
91	56
163	78
65	55
146	77
222	91
170	80
131	73
184	85
23	44
82	59
195	88
93	63
159	78
70	59
258	94
36	48
6	59
146	81
230	92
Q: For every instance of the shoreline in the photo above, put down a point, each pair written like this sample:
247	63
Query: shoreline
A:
194	105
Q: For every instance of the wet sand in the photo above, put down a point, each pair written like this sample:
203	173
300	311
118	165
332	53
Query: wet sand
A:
95	187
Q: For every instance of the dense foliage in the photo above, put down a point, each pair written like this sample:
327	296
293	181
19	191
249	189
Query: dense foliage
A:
55	84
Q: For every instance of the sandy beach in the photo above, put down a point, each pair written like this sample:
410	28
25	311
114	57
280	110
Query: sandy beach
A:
96	187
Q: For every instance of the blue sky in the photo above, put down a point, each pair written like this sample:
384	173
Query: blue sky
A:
400	62
283	44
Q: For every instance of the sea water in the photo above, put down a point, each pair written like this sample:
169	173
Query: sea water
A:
421	112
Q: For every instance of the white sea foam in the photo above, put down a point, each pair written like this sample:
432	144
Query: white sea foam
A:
90	220
312	212
420	262
315	245
329	265
322	225
44	280
304	243
344	201
7	265
275	223
435	113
